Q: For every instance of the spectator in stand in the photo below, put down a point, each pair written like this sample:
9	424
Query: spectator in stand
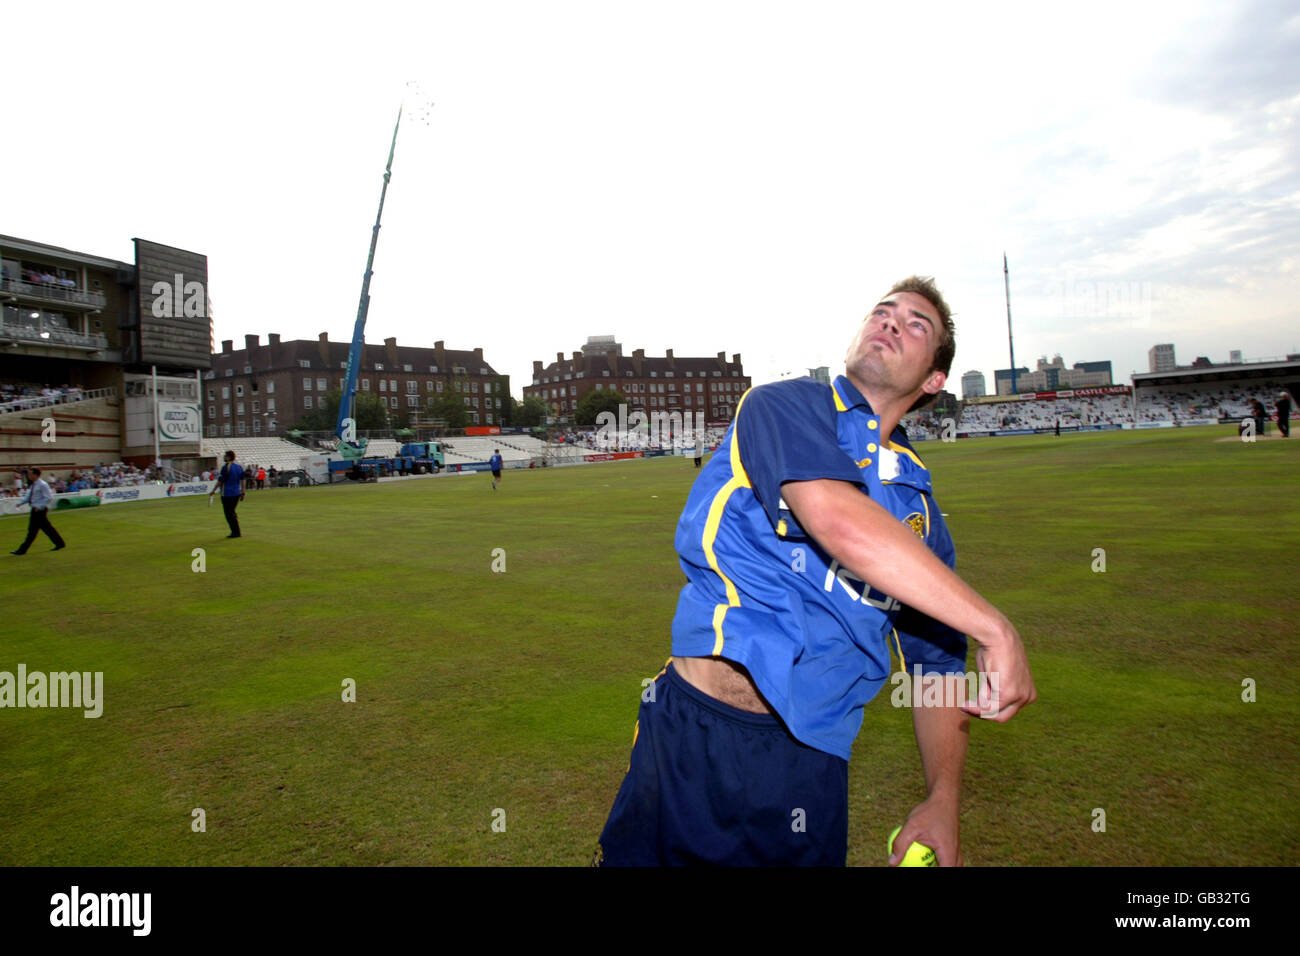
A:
1284	403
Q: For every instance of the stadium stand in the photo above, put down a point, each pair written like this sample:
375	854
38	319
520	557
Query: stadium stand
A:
267	452
473	448
1226	402
1044	413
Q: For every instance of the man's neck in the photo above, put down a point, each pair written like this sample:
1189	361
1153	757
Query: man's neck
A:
890	407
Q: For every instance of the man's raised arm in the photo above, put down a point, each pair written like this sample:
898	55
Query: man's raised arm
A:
881	550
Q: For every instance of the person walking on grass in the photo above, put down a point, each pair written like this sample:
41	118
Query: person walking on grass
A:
231	483
39	496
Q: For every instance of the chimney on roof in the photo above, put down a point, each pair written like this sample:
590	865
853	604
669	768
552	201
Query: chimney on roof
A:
559	358
672	363
577	361
537	367
440	355
323	349
478	355
390	353
638	357
250	342
323	337
227	346
722	357
735	360
273	338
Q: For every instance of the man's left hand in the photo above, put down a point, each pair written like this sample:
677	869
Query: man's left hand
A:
934	823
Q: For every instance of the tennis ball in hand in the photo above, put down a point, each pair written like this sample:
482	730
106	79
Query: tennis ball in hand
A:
918	854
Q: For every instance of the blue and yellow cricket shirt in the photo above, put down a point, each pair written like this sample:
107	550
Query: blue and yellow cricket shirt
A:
759	591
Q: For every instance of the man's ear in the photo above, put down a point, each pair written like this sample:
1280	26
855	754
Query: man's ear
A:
935	383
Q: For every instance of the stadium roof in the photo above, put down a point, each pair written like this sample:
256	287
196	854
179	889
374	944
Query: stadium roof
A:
1274	368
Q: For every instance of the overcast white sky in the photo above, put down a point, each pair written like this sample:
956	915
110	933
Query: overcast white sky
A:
747	177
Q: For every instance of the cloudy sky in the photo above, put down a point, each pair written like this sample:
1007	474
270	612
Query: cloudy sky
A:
699	176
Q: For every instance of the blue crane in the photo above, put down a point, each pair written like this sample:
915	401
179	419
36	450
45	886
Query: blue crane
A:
349	445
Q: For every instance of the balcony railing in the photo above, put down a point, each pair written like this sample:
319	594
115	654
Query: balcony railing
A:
41	332
55	292
27	402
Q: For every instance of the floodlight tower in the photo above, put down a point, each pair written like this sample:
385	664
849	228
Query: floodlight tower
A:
1006	275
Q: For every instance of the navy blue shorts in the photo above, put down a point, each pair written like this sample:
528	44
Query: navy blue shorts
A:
711	784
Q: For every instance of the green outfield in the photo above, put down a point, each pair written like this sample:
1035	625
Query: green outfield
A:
509	697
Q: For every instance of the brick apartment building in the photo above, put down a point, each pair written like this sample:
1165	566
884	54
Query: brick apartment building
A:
261	390
668	383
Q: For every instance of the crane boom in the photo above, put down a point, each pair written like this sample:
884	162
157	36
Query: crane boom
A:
349	445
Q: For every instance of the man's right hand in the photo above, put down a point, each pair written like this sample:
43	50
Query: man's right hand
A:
1005	685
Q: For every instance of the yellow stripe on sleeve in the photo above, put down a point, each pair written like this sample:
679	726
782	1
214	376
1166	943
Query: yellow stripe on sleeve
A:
739	479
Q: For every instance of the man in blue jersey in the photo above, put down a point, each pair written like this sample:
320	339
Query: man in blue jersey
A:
810	542
495	464
231	484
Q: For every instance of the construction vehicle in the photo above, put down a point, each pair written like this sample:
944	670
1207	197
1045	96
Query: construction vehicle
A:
413	458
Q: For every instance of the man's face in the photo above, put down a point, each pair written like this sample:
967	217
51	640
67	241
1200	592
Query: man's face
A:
895	345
